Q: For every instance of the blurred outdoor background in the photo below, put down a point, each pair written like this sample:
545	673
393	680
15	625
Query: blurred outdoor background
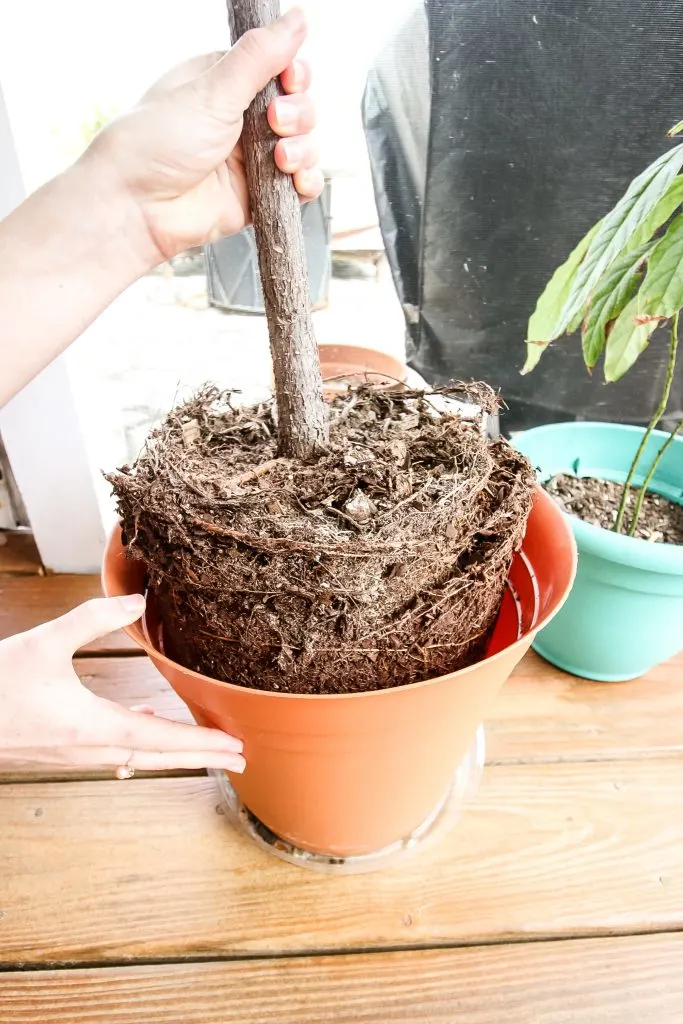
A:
66	69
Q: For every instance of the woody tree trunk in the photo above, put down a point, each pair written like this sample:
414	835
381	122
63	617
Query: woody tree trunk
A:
276	214
383	565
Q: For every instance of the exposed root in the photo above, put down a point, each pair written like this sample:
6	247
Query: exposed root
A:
381	563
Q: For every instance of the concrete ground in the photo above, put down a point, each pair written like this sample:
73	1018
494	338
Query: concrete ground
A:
161	340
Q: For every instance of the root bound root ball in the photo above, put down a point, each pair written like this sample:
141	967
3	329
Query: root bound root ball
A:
380	563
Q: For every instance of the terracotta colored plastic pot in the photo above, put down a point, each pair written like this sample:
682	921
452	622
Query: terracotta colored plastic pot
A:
347	775
342	365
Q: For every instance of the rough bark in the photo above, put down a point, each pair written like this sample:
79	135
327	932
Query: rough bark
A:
276	215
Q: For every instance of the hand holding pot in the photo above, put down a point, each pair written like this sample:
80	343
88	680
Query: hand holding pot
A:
47	715
178	154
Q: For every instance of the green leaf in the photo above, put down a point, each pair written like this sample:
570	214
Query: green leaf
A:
666	206
662	291
676	130
628	338
617	230
659	297
551	302
613	292
576	323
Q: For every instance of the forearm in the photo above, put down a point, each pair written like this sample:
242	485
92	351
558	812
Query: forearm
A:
65	254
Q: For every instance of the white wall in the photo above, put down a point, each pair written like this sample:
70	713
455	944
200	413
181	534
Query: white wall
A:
45	441
59	65
60	62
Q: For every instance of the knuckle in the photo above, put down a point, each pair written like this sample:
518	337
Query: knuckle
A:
93	613
109	722
253	46
88	727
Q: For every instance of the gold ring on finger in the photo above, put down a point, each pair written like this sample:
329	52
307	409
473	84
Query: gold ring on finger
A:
126	771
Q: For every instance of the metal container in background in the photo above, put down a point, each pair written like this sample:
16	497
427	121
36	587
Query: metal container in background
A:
233	281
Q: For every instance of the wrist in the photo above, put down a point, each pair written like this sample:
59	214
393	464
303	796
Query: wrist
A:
124	242
70	249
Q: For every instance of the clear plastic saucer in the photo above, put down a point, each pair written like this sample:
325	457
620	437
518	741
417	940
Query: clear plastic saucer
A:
434	827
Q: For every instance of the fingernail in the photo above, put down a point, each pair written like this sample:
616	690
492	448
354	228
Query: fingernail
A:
294	21
232	744
237	765
292	151
132	604
285	115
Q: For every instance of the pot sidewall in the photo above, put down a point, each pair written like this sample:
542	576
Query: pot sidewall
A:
349	777
350	774
624	613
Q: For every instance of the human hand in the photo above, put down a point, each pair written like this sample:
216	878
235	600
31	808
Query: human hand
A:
177	155
48	716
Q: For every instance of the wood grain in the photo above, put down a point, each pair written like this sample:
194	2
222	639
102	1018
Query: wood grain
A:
101	870
542	716
26	601
627	980
131	681
128	681
19	554
541	710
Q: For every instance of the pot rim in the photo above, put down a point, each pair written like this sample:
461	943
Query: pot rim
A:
634	552
386	365
137	633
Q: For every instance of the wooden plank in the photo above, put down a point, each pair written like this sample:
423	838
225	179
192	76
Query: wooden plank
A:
27	601
628	980
148	868
545	715
127	680
542	715
19	554
131	681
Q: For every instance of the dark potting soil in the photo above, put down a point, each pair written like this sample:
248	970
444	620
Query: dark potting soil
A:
597	502
381	562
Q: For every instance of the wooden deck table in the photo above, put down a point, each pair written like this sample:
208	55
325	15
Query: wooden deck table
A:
558	897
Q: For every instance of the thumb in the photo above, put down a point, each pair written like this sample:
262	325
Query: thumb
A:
246	69
95	619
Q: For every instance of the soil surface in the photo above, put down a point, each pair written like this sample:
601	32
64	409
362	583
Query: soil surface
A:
381	562
597	502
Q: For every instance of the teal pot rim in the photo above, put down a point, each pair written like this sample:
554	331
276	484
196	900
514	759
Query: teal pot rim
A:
595	540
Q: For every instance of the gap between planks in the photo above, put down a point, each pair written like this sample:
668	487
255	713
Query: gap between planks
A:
28	601
61	966
579	981
108	871
542	716
19	554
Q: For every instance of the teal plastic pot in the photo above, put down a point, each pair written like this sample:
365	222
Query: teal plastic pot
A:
624	614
